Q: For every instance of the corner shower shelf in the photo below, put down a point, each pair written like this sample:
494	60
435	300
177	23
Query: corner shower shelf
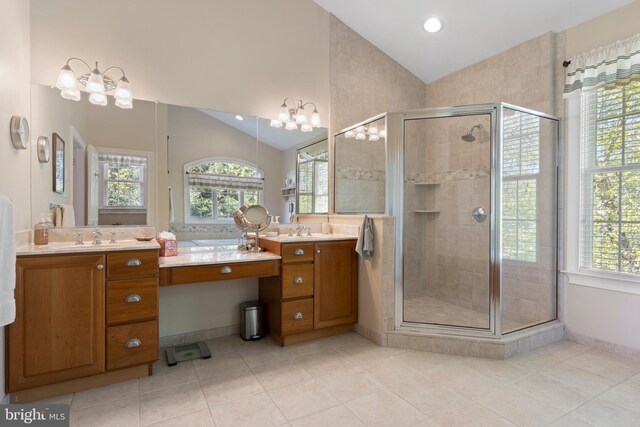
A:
426	183
427	211
288	192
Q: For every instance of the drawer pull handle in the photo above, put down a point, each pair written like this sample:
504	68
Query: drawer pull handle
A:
133	298
298	280
134	262
298	252
100	266
226	270
298	315
133	343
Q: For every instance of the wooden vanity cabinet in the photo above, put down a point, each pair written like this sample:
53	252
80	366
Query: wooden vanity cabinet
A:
316	293
82	320
59	331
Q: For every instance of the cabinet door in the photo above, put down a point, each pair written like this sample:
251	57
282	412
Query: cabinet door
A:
59	332
335	284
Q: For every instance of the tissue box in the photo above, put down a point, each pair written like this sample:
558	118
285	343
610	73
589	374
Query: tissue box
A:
168	247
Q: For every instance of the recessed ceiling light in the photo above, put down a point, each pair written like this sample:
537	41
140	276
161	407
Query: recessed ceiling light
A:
433	25
239	117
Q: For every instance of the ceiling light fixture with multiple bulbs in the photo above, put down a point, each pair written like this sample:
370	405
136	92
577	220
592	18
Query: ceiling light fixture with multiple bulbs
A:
433	24
291	117
361	132
96	83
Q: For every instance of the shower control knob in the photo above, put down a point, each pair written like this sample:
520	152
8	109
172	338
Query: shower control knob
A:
479	214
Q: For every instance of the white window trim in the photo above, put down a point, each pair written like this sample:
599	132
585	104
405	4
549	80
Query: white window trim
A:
188	219
149	182
619	282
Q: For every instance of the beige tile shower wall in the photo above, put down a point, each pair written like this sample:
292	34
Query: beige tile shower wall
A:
526	75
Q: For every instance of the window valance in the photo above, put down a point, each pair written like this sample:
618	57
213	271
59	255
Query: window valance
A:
617	63
209	180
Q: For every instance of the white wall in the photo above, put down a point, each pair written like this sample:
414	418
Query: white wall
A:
14	99
242	56
598	316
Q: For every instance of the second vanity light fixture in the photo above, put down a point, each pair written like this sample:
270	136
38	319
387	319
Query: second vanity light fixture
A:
96	83
361	132
291	117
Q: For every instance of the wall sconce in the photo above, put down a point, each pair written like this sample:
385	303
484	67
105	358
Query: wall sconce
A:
361	132
291	117
96	83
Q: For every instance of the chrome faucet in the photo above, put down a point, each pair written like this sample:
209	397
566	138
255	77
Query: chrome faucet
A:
79	240
299	230
113	237
308	231
97	234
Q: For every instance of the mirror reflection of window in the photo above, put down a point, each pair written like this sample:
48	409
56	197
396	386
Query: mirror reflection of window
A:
216	188
313	179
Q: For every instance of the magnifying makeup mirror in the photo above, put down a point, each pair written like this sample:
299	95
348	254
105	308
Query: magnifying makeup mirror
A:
252	219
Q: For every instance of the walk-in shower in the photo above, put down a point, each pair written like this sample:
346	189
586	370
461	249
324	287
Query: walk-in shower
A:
476	220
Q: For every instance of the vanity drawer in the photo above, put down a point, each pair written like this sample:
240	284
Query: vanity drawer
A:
132	300
233	270
130	345
122	265
297	280
297	316
297	252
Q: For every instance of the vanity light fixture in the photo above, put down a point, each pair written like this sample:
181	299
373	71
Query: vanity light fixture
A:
433	25
96	83
291	117
361	132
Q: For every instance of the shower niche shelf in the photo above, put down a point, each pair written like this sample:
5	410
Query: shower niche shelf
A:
427	211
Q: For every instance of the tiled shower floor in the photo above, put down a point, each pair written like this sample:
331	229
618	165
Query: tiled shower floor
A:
432	310
348	381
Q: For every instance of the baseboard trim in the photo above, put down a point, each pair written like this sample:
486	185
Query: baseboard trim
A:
601	344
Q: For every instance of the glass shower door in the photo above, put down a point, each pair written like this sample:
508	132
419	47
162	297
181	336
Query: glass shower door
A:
446	221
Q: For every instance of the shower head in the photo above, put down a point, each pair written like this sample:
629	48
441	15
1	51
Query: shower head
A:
468	137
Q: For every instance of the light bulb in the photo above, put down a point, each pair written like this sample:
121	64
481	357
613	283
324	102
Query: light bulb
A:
66	79
373	130
71	94
383	133
349	134
301	116
360	136
306	127
373	137
315	119
98	99
95	83
275	123
123	89
283	115
433	25
291	125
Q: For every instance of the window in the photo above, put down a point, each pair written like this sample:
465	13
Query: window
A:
216	188
610	179
313	179
123	181
521	167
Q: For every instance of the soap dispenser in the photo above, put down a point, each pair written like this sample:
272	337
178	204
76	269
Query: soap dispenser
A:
41	232
276	225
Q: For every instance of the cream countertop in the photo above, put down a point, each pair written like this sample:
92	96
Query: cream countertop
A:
212	258
70	247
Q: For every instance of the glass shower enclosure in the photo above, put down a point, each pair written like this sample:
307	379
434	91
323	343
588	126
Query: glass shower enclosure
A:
477	212
474	193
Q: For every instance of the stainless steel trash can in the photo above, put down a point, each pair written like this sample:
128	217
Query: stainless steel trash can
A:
251	320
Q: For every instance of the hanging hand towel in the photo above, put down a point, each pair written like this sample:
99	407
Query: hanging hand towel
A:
57	216
68	216
364	246
7	263
172	217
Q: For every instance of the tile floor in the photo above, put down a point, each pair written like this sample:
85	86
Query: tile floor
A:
348	381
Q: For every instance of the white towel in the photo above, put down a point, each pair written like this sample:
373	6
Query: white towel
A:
364	245
68	216
7	263
57	216
172	217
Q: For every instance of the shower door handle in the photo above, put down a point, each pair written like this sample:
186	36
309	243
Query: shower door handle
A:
479	214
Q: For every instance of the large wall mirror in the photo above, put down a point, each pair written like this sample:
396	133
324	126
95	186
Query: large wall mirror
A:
360	168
